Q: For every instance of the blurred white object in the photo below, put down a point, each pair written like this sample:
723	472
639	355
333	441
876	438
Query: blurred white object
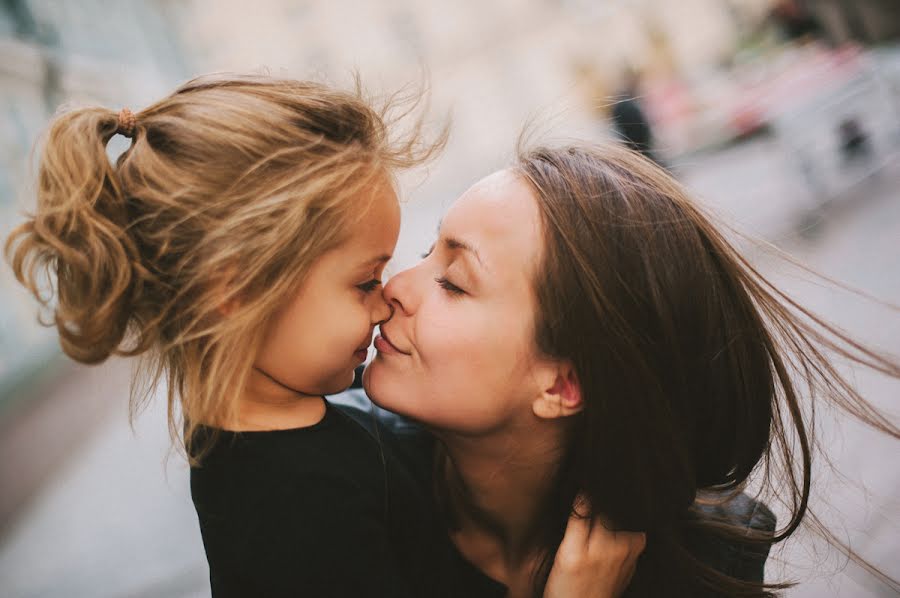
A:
841	124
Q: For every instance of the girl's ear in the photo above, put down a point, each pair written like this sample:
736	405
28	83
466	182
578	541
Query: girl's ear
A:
227	302
562	397
227	308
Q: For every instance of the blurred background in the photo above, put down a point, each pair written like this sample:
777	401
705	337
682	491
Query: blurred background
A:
782	116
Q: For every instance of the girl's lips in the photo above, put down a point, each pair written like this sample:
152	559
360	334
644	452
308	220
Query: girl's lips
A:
384	345
363	350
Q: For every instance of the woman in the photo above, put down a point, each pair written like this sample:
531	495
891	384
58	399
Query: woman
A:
580	327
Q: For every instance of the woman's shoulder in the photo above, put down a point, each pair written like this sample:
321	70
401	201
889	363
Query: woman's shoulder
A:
736	555
741	510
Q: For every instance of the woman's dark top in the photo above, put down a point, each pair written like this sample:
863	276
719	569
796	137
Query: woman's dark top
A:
454	576
319	511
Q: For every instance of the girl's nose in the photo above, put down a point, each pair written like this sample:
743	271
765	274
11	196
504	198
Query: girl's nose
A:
383	311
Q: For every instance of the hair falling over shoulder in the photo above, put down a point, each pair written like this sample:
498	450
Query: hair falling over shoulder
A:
231	188
700	376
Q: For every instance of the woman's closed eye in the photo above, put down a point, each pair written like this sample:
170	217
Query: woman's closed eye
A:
368	287
449	286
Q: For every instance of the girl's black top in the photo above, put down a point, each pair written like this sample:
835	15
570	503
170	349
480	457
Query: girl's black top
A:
324	510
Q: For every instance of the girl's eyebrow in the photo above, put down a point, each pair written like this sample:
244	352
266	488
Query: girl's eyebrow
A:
381	259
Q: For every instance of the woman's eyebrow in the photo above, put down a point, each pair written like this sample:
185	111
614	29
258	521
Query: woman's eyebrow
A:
456	244
453	243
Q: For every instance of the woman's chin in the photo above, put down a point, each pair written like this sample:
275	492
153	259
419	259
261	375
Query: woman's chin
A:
376	383
367	378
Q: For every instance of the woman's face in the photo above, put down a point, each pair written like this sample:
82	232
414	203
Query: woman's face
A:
458	353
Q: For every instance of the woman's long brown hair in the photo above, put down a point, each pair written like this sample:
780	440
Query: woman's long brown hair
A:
699	375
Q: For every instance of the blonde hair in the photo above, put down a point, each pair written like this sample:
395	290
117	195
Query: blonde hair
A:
231	188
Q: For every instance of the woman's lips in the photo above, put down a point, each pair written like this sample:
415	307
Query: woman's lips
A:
384	345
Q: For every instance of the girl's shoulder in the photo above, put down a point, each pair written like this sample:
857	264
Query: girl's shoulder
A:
407	440
335	453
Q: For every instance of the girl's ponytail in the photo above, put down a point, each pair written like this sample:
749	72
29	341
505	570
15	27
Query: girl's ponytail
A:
78	238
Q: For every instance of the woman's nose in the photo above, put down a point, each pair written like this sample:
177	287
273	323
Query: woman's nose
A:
397	292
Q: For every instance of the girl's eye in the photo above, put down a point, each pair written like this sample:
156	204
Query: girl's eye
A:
449	286
368	287
427	253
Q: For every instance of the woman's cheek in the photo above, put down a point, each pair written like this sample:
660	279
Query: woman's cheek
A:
456	344
441	331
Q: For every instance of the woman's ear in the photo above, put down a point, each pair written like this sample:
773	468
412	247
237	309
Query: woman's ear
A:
562	397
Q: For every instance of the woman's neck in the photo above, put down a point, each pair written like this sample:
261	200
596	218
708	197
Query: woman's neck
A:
503	482
268	404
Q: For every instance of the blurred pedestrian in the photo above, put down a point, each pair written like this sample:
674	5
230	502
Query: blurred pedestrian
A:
796	21
629	120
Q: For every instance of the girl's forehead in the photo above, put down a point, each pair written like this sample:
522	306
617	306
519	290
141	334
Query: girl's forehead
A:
374	235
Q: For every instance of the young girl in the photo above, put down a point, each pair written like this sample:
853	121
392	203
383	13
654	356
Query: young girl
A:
238	246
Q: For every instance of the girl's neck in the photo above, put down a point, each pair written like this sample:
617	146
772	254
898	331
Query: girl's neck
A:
268	404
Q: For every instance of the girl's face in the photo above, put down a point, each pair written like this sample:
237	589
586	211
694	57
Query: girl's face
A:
314	343
459	352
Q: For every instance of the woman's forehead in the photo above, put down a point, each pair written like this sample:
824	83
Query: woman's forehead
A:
498	217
